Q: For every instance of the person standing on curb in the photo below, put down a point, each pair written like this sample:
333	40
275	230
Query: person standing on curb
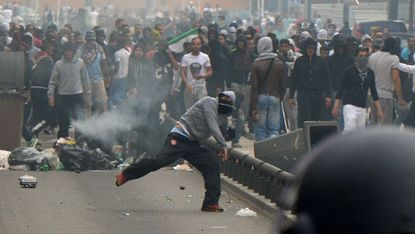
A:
202	120
311	80
267	90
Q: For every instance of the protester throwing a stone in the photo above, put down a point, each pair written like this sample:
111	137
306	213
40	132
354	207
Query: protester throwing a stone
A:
204	119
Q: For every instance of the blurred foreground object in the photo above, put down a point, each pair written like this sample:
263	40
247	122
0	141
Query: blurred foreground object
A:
360	182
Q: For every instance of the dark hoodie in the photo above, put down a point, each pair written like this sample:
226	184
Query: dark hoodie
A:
338	62
240	62
310	74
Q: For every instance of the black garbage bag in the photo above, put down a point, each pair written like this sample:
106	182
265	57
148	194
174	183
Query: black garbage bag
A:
74	158
102	161
27	156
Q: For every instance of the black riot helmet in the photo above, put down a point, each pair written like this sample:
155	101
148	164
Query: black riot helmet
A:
362	182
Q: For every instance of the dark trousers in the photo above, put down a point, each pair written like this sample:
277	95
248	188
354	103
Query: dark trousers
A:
175	147
309	106
70	106
26	133
41	111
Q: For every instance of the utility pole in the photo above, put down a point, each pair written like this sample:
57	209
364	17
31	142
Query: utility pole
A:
307	4
346	10
393	6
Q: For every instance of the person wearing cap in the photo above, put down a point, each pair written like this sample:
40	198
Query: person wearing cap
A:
93	55
322	40
206	118
311	80
367	42
70	77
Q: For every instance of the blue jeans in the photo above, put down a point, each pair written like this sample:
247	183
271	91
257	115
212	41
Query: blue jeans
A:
269	109
118	91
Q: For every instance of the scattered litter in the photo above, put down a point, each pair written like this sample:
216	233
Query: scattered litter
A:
27	181
117	151
218	227
27	156
74	158
189	196
229	201
66	141
19	168
245	213
52	157
126	214
182	188
4	156
168	199
182	167
123	166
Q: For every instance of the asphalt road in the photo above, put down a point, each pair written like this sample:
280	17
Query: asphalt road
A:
66	202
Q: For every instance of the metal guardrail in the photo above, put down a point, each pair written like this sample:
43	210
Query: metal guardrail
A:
263	178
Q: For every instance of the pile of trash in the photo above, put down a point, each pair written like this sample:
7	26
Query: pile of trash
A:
67	154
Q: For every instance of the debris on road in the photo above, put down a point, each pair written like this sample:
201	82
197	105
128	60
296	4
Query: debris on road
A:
27	156
182	167
4	156
218	227
52	157
168	199
27	181
246	213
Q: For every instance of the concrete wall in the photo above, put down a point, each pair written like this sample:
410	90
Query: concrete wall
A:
135	4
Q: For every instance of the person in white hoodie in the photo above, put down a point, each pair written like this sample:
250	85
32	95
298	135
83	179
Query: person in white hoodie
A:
410	120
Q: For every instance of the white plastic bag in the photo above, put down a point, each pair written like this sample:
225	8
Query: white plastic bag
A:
4	157
246	213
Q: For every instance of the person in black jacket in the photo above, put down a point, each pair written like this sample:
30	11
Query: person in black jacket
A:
353	88
40	72
337	63
311	79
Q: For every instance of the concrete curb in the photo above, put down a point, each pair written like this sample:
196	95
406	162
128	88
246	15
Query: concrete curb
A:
256	201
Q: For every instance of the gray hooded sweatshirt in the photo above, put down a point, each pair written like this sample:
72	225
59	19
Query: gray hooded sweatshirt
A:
201	120
70	77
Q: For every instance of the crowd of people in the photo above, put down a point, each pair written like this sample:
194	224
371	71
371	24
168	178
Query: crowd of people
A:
284	72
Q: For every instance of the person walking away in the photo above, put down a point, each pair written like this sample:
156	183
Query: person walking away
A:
352	93
385	66
198	123
70	77
267	90
196	68
311	80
